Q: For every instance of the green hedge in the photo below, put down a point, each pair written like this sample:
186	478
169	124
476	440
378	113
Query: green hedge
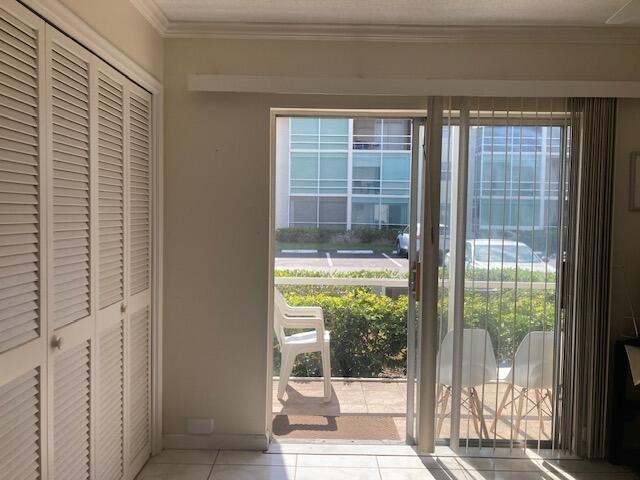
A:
320	235
368	331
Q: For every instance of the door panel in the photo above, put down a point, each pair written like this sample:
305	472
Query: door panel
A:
22	245
71	299
110	333
137	273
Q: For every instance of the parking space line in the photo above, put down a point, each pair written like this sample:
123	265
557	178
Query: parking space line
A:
329	261
395	262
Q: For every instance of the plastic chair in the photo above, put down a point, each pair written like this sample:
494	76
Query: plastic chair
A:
316	340
532	371
478	367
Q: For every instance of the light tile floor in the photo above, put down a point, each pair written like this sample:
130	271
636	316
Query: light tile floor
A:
339	462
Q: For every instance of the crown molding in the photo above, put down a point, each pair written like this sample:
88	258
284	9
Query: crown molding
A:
150	10
624	35
404	33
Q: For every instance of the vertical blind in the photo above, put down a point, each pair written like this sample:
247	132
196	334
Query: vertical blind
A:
501	200
585	352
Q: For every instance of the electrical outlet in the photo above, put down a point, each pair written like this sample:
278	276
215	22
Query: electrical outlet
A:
199	425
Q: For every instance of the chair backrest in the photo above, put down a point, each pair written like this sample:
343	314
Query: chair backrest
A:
478	358
533	361
279	318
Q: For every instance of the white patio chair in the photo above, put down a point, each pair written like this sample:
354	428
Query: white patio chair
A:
478	368
532	371
316	340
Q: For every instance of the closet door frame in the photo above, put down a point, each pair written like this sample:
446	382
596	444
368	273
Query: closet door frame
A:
56	13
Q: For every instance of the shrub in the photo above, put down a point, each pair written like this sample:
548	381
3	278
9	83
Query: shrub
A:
368	331
319	235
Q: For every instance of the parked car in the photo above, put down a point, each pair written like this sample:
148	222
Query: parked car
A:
484	253
402	242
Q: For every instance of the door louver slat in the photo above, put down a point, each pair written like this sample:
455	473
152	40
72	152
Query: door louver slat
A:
19	185
70	133
139	195
20	427
110	455
139	365
111	179
71	407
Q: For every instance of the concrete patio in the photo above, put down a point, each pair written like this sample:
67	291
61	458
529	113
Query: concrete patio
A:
378	398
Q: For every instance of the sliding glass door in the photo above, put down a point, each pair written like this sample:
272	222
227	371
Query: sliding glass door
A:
501	200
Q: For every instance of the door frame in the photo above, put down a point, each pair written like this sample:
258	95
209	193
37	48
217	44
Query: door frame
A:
65	20
419	118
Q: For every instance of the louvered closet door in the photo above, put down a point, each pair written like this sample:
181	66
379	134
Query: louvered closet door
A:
138	276
111	279
23	327
71	296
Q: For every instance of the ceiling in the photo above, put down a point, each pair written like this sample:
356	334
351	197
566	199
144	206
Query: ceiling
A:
396	13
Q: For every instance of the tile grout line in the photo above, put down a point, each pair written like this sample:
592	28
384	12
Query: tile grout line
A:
215	459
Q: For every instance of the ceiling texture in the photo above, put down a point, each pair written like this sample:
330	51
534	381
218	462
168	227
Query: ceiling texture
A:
412	18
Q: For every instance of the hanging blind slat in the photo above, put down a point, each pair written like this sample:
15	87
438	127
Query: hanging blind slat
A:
111	190
19	184
20	427
70	132
139	181
139	393
110	453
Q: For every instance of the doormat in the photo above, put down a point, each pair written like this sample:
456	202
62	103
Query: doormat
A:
343	427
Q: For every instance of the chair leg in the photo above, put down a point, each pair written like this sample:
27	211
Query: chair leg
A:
519	409
326	372
443	409
539	400
471	403
503	402
480	413
286	366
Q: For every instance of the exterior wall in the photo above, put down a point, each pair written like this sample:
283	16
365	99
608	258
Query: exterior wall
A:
119	22
218	181
339	182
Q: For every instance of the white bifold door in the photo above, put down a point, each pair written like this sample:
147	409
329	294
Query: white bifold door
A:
75	259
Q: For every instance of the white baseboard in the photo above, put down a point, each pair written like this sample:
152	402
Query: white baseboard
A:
216	441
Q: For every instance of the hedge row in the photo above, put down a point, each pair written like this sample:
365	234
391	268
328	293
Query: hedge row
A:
316	235
369	336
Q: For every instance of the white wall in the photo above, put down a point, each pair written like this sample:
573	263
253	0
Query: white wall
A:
625	288
217	191
119	22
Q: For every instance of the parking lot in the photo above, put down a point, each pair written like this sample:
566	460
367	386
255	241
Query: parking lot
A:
339	260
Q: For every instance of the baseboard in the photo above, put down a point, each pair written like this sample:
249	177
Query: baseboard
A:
216	441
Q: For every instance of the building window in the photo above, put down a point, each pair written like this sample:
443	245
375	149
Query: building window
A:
332	213
381	134
303	212
325	153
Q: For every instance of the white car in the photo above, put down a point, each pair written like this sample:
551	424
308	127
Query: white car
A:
483	254
402	242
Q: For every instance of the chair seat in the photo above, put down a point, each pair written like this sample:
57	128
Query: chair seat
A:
305	338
